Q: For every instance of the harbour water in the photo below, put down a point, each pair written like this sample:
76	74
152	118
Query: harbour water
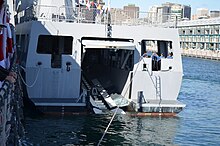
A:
198	124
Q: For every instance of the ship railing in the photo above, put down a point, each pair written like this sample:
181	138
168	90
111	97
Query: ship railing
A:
5	111
94	15
6	98
11	114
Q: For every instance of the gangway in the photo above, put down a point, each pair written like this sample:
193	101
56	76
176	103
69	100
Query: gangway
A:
99	99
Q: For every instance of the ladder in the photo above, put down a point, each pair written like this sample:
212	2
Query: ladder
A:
158	87
100	100
85	84
109	102
104	94
158	91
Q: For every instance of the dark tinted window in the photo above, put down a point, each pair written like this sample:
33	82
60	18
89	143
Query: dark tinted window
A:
48	44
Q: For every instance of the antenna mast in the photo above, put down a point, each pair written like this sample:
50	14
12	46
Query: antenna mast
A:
109	27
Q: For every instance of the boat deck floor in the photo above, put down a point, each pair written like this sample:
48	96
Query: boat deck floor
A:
163	103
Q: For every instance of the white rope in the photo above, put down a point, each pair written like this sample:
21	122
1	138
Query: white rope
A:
108	126
141	57
84	94
30	86
119	103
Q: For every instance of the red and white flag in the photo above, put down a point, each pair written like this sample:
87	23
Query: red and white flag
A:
9	40
88	4
2	57
2	62
4	47
9	47
82	2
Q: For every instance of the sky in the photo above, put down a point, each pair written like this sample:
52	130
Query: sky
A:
145	4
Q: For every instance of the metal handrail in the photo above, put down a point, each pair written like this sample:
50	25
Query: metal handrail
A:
11	113
150	75
155	84
5	109
94	15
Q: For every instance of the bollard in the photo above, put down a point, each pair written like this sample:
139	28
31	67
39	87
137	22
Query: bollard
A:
140	99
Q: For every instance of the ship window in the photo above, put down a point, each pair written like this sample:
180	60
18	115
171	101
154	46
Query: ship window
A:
156	46
149	49
164	47
48	44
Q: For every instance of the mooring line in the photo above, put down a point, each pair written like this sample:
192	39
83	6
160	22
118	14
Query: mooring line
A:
141	57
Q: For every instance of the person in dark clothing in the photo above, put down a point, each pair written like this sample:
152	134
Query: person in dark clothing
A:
6	75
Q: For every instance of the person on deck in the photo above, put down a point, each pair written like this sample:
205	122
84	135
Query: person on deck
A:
170	55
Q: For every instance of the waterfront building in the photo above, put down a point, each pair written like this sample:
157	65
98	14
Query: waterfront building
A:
129	14
132	11
152	14
159	14
201	34
163	14
178	11
119	16
214	13
202	13
170	12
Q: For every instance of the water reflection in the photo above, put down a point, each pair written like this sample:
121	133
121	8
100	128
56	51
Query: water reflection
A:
87	130
53	130
149	130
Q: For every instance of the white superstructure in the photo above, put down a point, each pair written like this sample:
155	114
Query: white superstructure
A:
69	62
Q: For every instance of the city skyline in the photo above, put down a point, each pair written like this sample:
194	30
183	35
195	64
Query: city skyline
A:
146	4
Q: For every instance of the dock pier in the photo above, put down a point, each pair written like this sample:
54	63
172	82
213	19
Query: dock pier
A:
205	54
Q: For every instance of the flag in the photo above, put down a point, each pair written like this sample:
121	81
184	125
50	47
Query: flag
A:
109	5
2	61
92	4
9	48
99	9
9	37
88	5
80	2
4	42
